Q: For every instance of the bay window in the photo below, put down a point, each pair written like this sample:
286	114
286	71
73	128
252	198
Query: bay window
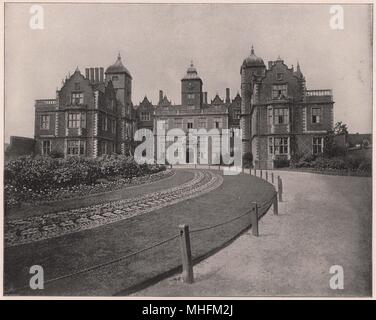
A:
45	121
279	145
76	147
316	115
76	120
281	115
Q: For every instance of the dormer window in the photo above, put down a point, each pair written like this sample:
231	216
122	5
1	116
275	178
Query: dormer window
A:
77	98
115	78
279	76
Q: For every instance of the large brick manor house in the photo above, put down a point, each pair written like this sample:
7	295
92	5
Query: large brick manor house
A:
93	114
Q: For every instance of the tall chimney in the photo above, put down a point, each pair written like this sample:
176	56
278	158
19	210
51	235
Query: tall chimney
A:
227	95
91	75
96	75
205	97
87	70
160	96
101	72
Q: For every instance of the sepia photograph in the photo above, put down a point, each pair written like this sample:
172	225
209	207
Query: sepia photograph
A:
187	150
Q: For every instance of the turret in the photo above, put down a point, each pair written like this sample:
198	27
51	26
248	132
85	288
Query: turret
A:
252	67
122	82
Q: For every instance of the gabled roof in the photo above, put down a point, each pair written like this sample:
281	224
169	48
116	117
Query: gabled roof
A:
217	100
237	100
164	102
144	103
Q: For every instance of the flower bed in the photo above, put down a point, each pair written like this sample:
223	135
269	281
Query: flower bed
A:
41	179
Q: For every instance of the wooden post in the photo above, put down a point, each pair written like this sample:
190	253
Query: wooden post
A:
272	177
254	220
279	189
186	255
254	172
261	174
266	175
195	166
275	204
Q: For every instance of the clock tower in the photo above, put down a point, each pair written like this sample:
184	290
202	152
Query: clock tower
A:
191	88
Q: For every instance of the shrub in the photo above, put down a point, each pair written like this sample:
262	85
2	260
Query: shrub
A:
281	163
365	166
303	160
248	160
56	154
27	174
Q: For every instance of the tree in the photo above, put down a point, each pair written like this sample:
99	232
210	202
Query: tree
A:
340	128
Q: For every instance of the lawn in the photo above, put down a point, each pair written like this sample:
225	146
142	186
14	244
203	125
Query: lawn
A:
66	254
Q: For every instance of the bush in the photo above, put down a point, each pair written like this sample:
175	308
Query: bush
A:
27	174
365	166
303	160
248	160
281	163
56	154
340	163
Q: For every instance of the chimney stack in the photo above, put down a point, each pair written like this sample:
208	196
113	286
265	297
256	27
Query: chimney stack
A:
160	96
87	70
91	75
101	72
96	80
227	95
205	98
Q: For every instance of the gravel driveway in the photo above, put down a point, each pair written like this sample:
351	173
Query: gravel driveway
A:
323	221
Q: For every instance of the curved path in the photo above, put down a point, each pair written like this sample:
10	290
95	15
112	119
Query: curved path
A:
121	227
55	224
323	221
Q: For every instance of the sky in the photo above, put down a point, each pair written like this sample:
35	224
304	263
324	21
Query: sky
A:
157	43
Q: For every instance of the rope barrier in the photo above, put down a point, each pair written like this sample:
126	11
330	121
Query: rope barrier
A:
265	204
220	224
98	266
267	201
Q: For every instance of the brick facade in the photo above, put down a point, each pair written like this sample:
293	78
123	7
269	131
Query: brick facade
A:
194	113
92	115
284	119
